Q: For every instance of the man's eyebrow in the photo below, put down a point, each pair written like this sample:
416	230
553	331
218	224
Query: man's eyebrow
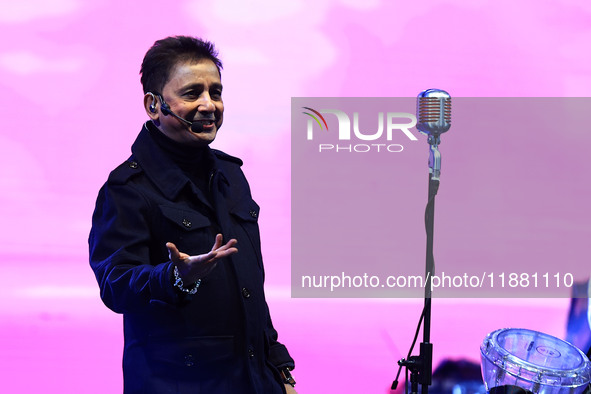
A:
191	86
199	85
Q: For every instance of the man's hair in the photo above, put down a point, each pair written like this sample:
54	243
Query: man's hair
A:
165	54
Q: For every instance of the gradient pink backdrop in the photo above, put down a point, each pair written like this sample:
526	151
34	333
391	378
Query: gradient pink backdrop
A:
71	102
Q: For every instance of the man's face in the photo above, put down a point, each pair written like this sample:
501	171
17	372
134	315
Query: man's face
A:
193	92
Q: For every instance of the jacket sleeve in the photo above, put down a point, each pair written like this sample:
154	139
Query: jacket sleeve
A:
119	245
278	354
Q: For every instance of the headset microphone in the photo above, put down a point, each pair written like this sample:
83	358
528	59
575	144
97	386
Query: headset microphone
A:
196	127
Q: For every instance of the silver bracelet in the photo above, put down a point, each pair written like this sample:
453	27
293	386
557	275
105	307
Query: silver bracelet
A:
178	283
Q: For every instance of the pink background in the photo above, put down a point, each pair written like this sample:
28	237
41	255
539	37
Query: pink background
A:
71	103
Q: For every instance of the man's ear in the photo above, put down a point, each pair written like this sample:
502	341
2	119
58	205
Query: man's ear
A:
151	105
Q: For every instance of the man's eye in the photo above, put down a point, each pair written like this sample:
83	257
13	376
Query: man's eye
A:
216	95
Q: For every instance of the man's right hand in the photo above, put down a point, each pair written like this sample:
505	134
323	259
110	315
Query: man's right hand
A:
193	268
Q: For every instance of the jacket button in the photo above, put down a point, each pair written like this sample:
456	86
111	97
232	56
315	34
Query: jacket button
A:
187	223
253	214
132	164
245	292
250	352
189	362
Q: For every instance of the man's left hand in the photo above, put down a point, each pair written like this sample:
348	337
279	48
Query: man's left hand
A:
192	268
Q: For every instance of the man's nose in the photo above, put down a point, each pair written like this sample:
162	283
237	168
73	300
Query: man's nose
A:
206	105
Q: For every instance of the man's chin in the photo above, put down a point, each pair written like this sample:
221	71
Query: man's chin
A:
202	138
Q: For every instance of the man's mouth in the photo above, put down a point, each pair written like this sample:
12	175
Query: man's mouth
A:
203	125
206	122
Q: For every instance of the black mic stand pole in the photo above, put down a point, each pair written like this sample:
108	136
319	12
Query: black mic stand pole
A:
421	366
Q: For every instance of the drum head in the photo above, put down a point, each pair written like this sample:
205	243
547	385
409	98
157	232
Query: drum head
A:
534	361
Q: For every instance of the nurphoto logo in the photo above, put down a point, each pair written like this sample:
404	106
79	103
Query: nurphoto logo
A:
396	123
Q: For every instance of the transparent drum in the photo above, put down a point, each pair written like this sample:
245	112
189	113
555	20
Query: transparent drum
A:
515	358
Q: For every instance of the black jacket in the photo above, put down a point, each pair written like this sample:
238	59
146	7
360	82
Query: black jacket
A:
220	340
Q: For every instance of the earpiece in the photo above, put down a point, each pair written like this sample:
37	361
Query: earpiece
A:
153	104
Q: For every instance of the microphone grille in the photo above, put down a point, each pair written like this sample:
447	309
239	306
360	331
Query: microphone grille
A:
433	111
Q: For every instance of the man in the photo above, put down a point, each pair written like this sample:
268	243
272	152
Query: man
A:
195	315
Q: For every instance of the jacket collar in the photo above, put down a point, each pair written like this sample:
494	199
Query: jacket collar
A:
161	170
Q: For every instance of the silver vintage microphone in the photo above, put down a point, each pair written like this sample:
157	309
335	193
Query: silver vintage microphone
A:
434	119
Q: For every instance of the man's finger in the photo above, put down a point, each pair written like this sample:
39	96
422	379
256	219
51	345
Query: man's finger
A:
226	252
228	245
173	252
218	242
203	258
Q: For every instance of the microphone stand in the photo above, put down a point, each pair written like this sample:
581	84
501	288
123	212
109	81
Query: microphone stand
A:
421	366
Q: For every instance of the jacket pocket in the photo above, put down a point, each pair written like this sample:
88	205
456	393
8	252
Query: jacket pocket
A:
184	219
191	231
247	210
